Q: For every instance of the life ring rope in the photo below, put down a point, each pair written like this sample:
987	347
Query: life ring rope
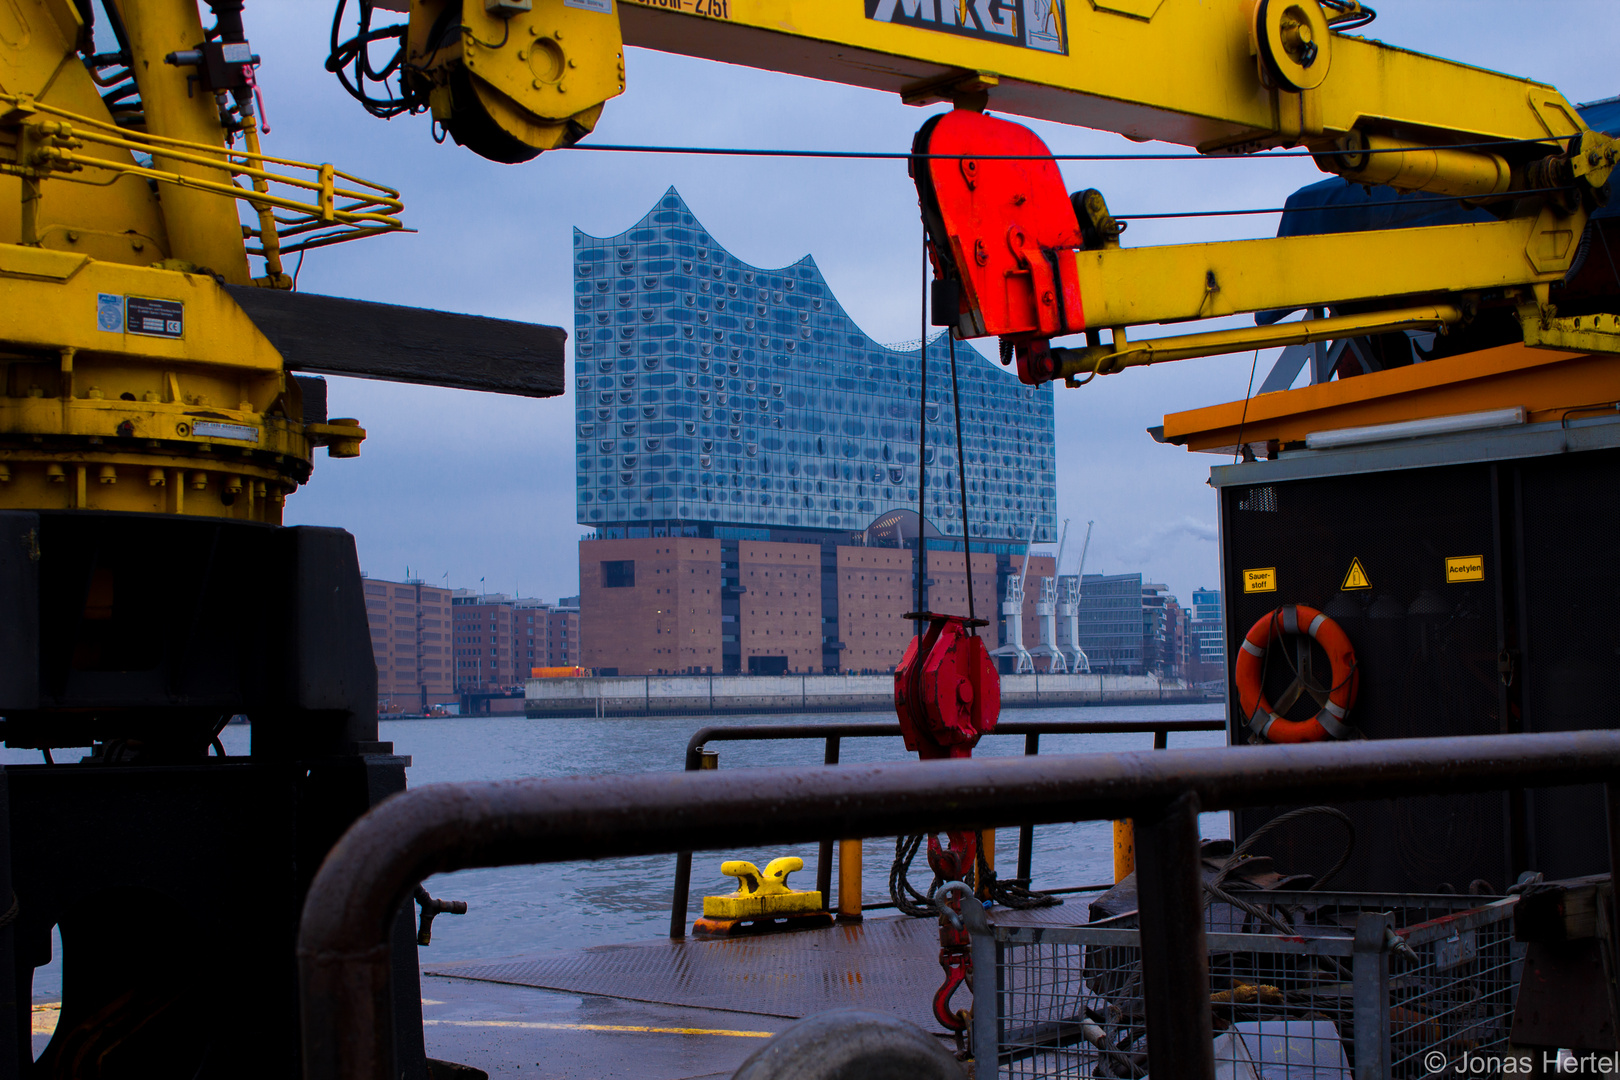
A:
1331	722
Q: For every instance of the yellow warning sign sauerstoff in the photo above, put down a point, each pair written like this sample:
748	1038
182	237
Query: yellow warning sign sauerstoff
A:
1465	568
1356	576
1262	580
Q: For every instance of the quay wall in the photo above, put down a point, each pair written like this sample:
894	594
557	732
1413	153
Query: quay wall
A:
720	695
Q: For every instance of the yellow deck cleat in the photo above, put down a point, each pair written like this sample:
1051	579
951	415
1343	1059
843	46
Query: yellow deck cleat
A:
761	895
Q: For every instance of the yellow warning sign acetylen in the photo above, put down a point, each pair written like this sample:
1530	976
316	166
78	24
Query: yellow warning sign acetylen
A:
1263	580
1465	568
1356	576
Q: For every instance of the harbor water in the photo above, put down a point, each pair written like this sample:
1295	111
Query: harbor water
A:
534	909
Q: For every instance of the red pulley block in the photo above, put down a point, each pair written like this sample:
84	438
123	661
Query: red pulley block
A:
1000	223
946	690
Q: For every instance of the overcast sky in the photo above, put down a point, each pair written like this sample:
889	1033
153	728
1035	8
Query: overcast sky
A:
461	487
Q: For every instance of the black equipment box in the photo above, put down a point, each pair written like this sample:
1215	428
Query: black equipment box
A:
176	875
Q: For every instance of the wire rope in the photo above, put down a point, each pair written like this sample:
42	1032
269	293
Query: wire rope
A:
1009	892
922	446
898	155
1247	395
961	476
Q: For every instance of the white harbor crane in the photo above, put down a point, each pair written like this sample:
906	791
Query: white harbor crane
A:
1012	611
1046	614
1068	609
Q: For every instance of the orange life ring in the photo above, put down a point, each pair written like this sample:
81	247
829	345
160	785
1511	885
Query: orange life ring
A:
1263	720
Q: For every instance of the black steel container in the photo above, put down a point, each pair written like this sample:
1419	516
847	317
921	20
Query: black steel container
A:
1486	603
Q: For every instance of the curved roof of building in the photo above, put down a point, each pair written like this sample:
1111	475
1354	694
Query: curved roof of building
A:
710	390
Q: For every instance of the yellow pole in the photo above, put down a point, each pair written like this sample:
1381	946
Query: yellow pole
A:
203	228
1124	849
849	881
269	240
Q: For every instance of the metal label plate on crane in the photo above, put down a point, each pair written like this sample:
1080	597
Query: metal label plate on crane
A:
110	312
1029	24
154	318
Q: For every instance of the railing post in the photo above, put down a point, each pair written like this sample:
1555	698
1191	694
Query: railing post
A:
1370	996
1175	962
1026	833
824	859
984	982
1161	739
696	758
683	886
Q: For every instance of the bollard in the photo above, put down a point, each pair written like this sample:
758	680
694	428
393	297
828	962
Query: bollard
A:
1124	849
849	881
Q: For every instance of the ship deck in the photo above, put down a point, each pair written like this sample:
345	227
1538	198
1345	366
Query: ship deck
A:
681	1010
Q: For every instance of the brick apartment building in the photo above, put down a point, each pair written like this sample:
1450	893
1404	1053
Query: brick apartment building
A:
410	640
713	606
500	639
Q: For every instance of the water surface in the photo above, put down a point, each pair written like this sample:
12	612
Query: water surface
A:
528	909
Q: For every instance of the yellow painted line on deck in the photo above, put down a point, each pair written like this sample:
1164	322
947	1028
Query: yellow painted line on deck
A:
46	1014
636	1029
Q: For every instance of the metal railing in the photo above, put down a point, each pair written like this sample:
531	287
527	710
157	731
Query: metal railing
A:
326	205
346	999
833	736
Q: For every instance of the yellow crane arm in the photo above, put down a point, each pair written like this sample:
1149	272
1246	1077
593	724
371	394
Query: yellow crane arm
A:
510	79
1189	73
513	79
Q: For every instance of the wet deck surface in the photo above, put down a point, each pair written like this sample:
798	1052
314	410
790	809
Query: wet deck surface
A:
521	1031
680	1010
671	1010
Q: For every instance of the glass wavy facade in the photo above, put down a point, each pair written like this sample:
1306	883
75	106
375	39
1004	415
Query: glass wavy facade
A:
712	391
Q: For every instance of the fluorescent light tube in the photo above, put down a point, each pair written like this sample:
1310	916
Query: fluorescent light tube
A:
1412	429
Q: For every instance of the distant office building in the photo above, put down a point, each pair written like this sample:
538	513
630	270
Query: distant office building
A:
1178	641
748	459
410	640
1132	627
500	639
1206	627
1157	654
1111	623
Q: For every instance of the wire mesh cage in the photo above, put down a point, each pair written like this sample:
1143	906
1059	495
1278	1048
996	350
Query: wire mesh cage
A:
1304	986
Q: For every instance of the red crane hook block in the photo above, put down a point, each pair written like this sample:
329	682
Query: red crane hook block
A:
946	689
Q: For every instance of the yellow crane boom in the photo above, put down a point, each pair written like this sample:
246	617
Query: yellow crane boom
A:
513	79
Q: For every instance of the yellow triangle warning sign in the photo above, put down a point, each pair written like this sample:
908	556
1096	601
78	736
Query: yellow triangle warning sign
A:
1356	577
